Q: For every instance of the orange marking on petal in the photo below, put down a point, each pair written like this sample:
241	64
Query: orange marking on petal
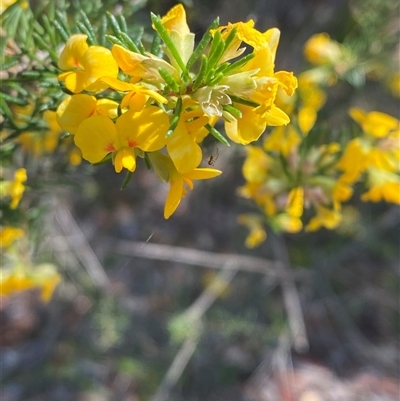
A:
132	143
110	148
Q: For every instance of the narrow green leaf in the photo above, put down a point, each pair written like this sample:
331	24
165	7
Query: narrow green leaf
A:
233	110
200	76
60	30
62	20
175	119
169	79
5	110
217	39
238	64
246	102
169	43
122	23
215	79
8	64
114	23
156	45
49	30
129	43
147	161
217	135
102	31
114	40
202	44
89	26
127	180
82	27
45	46
230	37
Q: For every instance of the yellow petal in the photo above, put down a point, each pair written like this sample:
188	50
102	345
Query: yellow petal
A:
203	173
276	116
72	55
73	110
125	158
175	20
183	150
107	107
306	119
247	129
96	137
98	62
174	197
145	130
287	81
74	80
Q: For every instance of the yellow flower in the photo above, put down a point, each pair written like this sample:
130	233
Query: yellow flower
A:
321	49
145	67
9	234
179	183
384	186
85	65
175	23
328	218
43	277
98	136
39	142
75	109
256	165
375	123
283	140
353	161
15	188
295	202
285	222
185	153
257	234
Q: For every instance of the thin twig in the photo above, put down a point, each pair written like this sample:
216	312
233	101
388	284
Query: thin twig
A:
194	313
81	247
195	257
291	297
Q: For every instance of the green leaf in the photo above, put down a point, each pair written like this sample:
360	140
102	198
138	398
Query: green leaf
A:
102	31
233	110
156	45
246	102
127	180
114	40
202	73
129	43
217	135
122	23
202	44
114	23
61	31
169	43
169	79
238	64
89	27
175	119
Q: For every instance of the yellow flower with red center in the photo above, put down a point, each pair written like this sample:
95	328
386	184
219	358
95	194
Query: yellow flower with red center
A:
97	136
85	64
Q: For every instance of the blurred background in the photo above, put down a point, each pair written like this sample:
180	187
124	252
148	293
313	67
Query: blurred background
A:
180	309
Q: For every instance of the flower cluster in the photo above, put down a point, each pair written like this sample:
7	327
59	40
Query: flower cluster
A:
298	181
128	103
16	271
